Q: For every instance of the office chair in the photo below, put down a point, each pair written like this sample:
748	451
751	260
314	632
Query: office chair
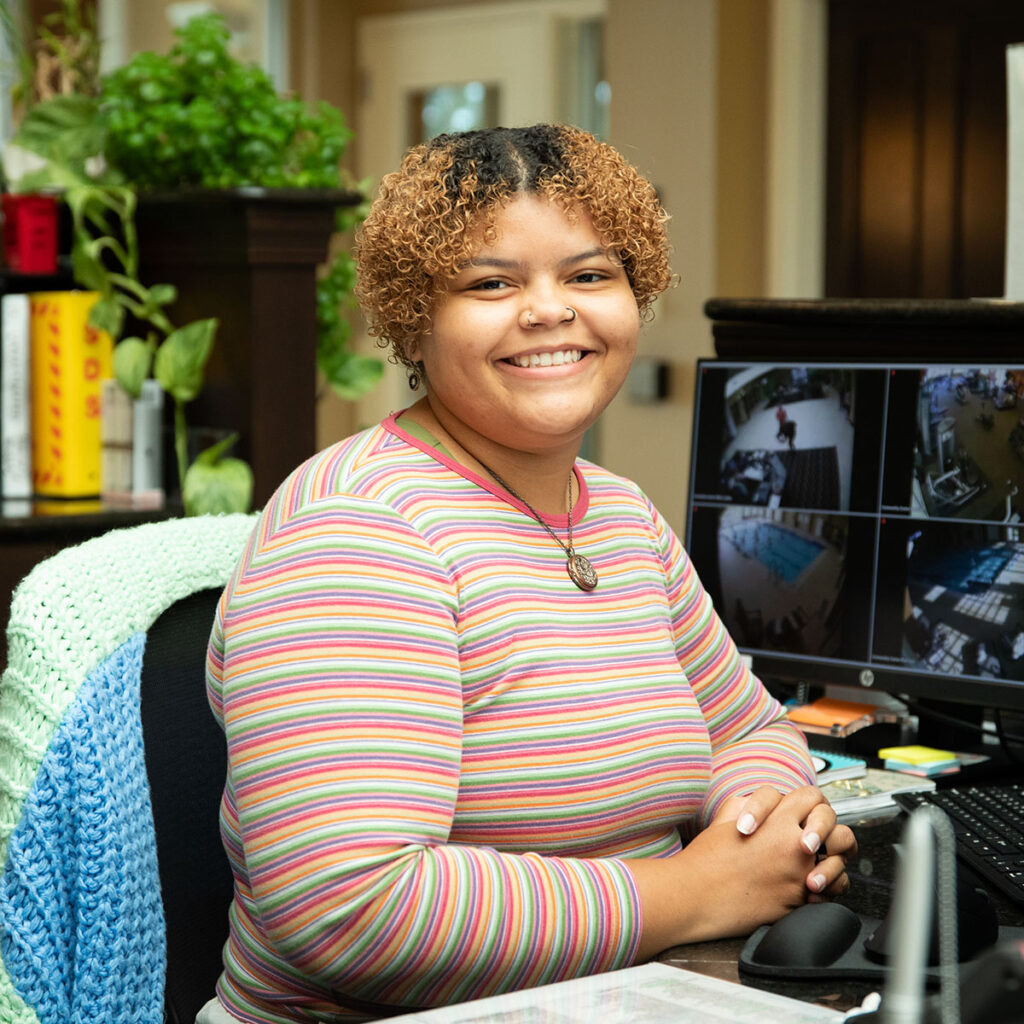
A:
113	885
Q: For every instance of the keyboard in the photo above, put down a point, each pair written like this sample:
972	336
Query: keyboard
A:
989	826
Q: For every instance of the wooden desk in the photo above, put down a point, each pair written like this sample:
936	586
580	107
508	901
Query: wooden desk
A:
871	874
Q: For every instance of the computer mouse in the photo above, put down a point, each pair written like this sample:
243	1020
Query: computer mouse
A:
977	927
814	935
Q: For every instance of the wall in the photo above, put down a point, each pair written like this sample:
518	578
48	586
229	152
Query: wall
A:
662	66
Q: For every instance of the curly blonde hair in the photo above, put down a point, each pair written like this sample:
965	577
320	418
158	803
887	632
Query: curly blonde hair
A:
421	224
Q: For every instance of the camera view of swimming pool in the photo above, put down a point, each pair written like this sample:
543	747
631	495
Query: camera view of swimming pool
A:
781	551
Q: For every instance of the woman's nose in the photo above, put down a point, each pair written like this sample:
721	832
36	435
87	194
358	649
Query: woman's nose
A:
545	313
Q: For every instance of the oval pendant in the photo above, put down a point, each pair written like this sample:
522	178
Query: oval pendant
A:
581	572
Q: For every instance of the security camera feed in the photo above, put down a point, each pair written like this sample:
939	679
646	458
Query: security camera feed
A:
960	610
880	537
961	432
779	578
787	436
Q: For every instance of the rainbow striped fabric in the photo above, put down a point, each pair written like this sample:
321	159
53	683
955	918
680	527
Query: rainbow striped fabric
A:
441	750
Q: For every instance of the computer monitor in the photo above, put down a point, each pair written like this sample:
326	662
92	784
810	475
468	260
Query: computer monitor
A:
859	524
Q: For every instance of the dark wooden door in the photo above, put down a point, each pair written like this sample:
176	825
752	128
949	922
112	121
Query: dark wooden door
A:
917	146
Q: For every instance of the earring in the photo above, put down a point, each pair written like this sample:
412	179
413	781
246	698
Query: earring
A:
414	380
572	318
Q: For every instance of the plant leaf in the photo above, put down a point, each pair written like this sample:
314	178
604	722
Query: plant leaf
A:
108	315
181	358
352	375
215	485
132	360
162	294
64	129
89	271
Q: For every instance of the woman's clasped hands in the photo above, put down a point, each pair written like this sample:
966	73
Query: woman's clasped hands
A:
821	837
762	855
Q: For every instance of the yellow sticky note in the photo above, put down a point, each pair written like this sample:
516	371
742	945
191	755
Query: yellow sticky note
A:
915	754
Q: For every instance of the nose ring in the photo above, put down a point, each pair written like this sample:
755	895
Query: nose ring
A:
530	322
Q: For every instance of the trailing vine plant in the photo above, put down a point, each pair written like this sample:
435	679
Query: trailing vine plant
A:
195	117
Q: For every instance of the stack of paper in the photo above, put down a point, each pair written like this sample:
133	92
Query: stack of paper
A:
852	799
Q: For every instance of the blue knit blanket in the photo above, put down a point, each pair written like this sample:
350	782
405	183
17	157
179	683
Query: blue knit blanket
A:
83	930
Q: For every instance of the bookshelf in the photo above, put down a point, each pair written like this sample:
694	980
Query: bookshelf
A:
248	257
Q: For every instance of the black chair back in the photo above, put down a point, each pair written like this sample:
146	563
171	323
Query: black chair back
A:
186	762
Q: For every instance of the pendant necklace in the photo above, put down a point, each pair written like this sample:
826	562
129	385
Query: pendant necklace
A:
580	571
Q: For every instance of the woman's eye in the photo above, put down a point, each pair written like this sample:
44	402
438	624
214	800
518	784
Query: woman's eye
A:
589	277
490	285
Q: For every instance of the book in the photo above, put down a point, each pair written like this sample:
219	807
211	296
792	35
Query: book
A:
831	766
15	384
832	717
132	448
116	444
872	792
147	446
69	359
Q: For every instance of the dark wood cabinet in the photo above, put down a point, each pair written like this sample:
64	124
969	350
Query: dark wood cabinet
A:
916	169
882	330
248	257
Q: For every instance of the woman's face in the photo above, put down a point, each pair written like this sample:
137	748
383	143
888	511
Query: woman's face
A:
492	376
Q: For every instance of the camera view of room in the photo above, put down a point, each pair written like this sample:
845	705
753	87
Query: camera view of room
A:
964	602
782	575
969	450
789	437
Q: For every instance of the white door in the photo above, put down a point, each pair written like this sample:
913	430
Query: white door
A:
472	66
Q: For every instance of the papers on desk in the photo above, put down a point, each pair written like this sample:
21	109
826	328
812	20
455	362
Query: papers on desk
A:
853	799
651	994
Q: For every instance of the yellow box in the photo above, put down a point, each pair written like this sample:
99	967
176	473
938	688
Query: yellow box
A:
69	361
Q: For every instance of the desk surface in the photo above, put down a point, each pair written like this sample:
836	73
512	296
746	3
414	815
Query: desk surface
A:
870	894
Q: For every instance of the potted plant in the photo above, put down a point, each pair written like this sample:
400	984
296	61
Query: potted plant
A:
196	119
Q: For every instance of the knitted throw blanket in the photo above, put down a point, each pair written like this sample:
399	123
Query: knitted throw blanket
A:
81	922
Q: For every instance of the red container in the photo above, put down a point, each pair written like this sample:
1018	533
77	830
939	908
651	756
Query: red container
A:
30	233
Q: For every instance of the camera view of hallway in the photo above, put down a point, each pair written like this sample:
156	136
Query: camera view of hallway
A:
791	441
782	578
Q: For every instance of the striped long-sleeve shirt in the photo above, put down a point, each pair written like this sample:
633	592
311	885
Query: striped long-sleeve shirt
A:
441	751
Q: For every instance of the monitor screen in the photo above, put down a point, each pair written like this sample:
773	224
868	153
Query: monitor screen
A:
860	524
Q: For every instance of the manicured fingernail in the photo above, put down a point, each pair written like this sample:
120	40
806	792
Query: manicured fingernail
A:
811	842
746	823
817	882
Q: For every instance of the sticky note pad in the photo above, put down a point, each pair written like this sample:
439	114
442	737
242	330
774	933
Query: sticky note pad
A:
916	754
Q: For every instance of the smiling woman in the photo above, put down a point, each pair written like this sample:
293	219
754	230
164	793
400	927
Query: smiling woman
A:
475	696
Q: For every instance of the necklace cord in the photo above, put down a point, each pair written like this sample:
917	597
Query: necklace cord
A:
536	515
580	571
